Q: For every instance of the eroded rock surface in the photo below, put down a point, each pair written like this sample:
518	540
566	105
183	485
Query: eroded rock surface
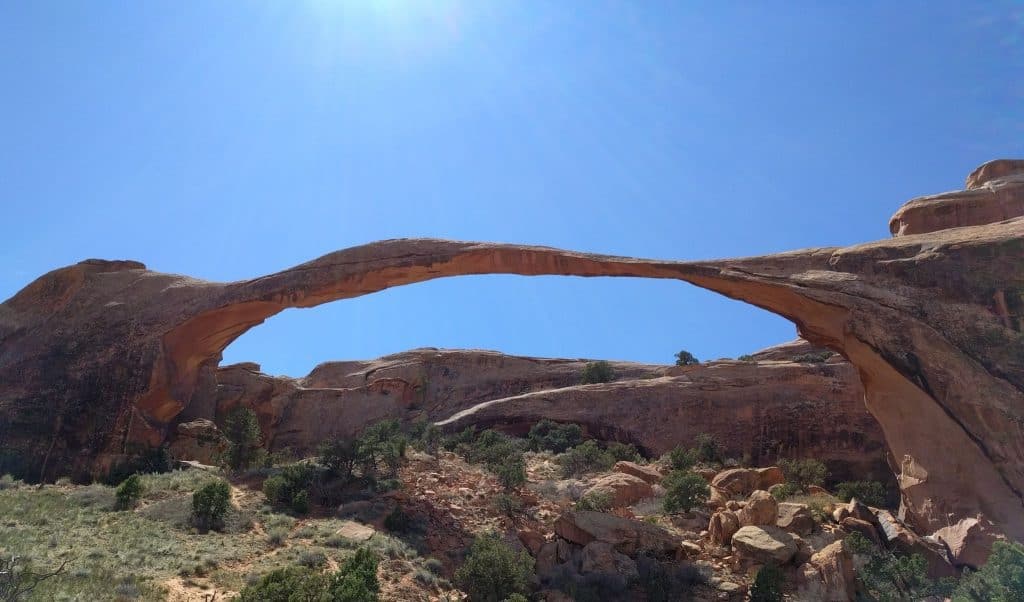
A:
98	360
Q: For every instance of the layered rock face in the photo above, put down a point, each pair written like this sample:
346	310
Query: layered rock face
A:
764	410
100	358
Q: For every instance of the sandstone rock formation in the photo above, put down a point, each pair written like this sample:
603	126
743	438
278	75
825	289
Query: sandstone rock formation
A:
764	545
995	192
98	360
764	410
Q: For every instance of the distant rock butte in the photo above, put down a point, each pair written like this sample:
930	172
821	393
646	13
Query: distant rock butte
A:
98	360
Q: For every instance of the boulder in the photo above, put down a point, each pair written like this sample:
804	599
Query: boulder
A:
760	509
764	545
600	557
532	540
646	473
198	440
969	541
795	518
627	536
860	511
856	525
623	489
744	481
547	557
828	576
722	526
898	535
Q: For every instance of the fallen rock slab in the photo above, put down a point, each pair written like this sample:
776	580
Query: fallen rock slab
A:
764	545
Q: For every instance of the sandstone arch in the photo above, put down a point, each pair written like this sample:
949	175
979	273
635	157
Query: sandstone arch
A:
97	359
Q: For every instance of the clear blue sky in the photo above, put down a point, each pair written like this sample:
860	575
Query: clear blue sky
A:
231	139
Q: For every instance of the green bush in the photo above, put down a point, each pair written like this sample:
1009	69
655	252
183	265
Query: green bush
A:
355	581
813	358
1000	580
682	459
242	430
683	491
624	452
598	502
507	504
767	586
511	472
804	473
597	372
746	358
664	582
493	571
871	493
381	448
708	449
584	458
889	576
397	521
129	492
340	457
290	487
548	435
210	504
685	358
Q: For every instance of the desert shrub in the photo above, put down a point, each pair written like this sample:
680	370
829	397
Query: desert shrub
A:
746	358
767	586
429	439
548	435
871	493
682	459
804	473
708	449
289	487
624	451
493	571
210	504
1000	580
666	583
597	501
511	472
591	587
509	505
382	448
584	458
812	358
397	521
683	491
492	448
18	579
785	491
340	457
433	565
464	437
355	581
242	430
285	585
312	559
889	576
597	372
129	492
276	536
685	358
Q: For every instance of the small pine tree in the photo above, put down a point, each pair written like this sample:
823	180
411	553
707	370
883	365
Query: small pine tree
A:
242	430
129	492
210	505
767	585
493	571
511	473
685	358
598	372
